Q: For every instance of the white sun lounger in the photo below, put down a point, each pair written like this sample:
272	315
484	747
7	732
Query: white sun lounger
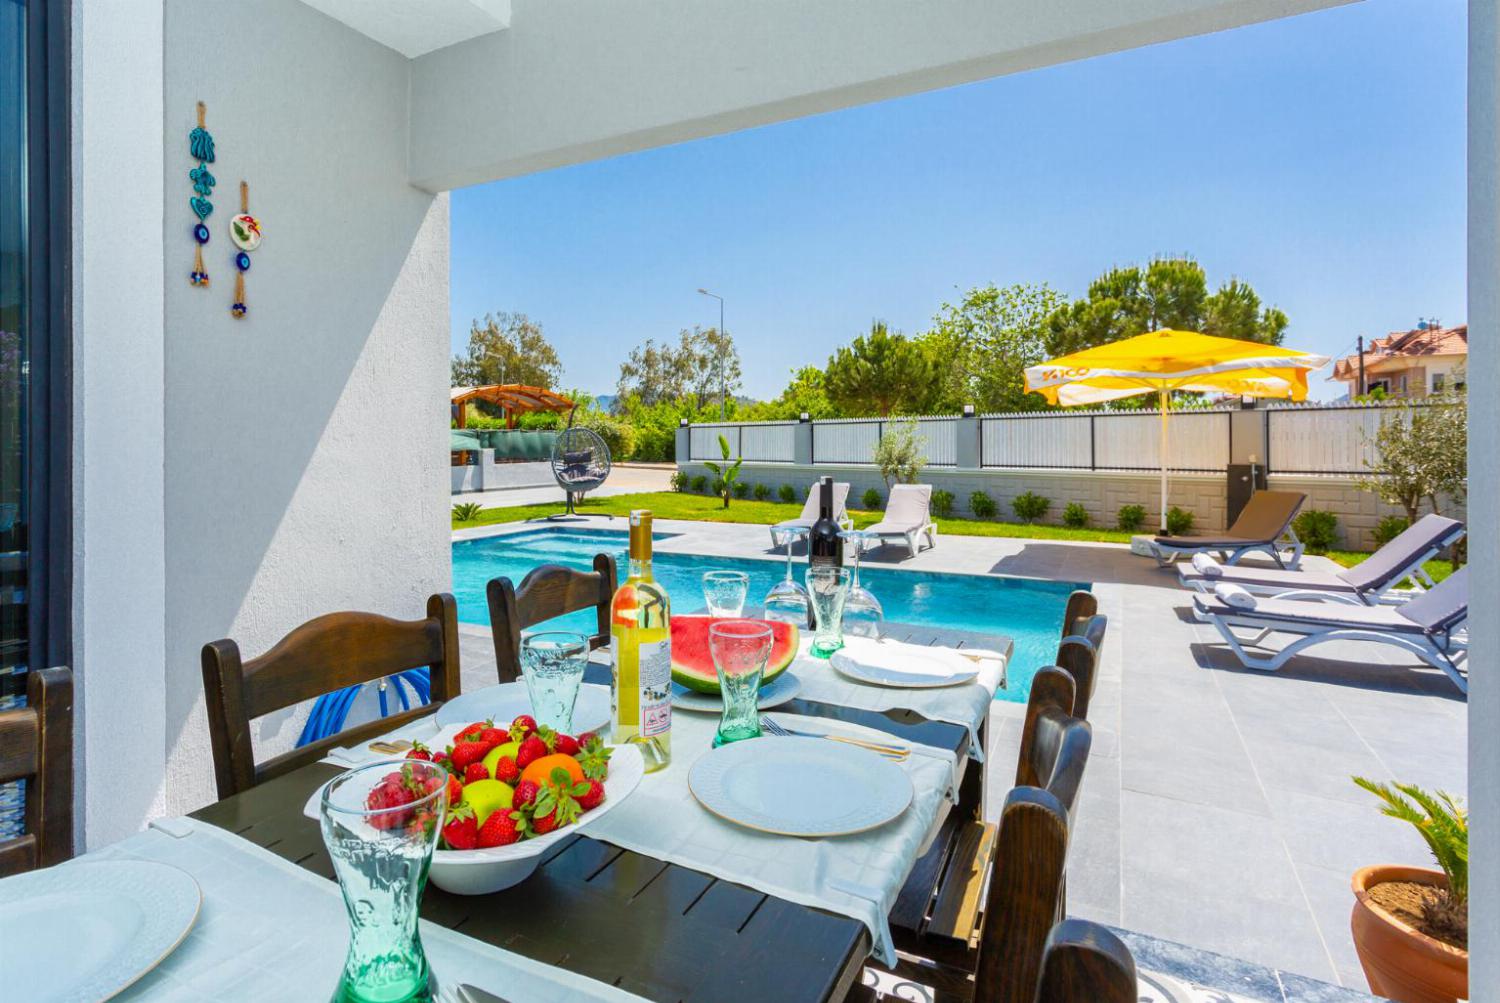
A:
1369	583
1264	525
908	516
810	512
1431	626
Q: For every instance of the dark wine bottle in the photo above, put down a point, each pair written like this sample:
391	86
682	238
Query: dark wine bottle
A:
825	548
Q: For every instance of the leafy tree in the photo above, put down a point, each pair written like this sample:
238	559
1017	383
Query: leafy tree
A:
1422	455
703	365
900	454
806	392
987	340
884	372
507	348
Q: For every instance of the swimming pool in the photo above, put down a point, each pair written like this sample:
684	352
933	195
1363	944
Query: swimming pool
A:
1026	610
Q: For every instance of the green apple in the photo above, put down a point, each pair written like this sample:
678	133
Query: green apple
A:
494	755
487	797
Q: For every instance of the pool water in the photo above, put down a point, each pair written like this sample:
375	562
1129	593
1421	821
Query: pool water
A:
1026	610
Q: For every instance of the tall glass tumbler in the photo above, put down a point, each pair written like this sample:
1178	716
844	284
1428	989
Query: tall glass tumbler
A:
553	663
828	588
380	823
740	649
724	592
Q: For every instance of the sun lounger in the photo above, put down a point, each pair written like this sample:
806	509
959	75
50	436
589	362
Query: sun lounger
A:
1368	583
1266	520
1431	626
908	516
810	512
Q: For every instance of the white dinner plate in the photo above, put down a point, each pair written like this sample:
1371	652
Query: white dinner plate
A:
800	786
780	690
503	702
901	667
85	931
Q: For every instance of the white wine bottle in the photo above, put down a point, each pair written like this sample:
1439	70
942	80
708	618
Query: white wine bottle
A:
640	627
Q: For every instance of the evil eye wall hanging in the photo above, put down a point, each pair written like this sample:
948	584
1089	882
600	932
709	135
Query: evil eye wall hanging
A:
245	232
201	149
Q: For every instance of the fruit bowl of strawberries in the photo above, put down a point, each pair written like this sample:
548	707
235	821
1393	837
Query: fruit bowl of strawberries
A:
515	789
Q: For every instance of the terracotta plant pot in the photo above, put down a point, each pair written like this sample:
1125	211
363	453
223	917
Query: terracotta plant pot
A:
1400	961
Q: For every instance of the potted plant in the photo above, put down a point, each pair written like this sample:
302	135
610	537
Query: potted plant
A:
1411	924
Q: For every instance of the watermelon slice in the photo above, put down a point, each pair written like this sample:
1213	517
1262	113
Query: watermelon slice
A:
693	666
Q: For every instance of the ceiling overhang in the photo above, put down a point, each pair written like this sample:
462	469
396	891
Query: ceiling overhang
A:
414	29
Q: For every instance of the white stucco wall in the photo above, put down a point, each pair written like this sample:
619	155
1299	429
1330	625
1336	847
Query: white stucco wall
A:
343	355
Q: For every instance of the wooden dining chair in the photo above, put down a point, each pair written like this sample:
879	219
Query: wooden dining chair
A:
1082	604
325	654
36	745
548	591
1080	655
1084	963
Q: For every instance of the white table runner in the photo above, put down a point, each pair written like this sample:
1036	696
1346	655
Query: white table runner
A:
271	931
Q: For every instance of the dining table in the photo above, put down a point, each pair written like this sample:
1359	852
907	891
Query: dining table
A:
657	929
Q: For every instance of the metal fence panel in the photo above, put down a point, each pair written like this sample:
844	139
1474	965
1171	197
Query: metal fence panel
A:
1059	441
768	443
845	441
1197	441
703	441
1323	440
941	435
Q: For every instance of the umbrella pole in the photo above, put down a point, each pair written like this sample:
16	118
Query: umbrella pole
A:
1162	399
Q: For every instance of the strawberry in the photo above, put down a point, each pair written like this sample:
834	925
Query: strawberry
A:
455	791
462	830
500	829
475	771
585	738
506	770
393	791
566	744
419	751
472	729
556	804
593	795
594	758
441	758
543	824
531	749
493	737
526	792
523	725
466	752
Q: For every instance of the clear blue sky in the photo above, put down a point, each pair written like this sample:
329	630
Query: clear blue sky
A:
1320	158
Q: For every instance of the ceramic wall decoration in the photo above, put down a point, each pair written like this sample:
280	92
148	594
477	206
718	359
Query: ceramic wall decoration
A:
201	148
244	231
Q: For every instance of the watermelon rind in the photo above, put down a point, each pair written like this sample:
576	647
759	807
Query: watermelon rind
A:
693	666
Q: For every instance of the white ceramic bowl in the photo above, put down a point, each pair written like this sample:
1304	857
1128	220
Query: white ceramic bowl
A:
478	872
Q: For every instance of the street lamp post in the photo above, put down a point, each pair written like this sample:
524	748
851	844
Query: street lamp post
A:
723	388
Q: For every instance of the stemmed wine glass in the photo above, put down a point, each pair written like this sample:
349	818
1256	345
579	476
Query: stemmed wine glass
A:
862	611
788	598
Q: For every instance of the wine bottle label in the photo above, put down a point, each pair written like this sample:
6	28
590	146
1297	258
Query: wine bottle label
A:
824	561
656	688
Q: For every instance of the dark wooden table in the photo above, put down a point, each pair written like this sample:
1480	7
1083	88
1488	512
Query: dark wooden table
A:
665	932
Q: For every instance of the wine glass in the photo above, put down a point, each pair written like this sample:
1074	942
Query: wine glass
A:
862	611
788	598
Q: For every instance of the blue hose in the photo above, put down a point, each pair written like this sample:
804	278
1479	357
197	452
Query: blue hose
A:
331	710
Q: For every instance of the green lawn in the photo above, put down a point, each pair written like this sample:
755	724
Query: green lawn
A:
701	508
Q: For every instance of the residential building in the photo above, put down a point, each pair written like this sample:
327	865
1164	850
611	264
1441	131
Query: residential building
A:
1428	359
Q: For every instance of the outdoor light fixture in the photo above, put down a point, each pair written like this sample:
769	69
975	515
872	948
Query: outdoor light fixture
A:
682	423
1247	401
968	410
804	416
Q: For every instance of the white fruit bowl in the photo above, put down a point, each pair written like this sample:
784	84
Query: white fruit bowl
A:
481	871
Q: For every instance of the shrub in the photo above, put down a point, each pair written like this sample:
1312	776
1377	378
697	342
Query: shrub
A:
741	489
1130	517
617	435
699	484
786	493
1387	529
1317	529
1444	824
1030	506
982	505
871	498
942	503
1179	521
1075	515
762	492
901	453
679	481
466	512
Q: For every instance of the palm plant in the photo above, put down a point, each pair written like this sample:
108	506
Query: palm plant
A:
1444	824
726	473
466	511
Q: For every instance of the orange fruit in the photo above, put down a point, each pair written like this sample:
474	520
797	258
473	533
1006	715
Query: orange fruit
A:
539	771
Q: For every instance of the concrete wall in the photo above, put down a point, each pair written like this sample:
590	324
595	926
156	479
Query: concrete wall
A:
343	355
1102	493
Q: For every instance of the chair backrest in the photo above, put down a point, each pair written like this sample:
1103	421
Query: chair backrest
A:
1054	743
814	502
36	745
1084	963
325	654
909	504
1082	604
1393	561
1441	607
1080	654
547	591
1025	891
1267	515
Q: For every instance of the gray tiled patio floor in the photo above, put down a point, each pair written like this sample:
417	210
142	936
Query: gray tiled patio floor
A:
1217	810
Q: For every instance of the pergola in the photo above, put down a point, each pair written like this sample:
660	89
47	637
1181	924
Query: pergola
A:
512	398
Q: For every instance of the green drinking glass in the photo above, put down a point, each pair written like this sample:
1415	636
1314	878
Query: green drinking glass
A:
828	588
380	823
740	649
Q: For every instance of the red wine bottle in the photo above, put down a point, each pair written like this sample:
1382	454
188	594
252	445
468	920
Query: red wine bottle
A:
825	548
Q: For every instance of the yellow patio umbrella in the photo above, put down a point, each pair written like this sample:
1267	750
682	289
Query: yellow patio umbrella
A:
1163	361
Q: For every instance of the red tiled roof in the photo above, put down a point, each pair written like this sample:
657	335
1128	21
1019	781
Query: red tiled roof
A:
1414	343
